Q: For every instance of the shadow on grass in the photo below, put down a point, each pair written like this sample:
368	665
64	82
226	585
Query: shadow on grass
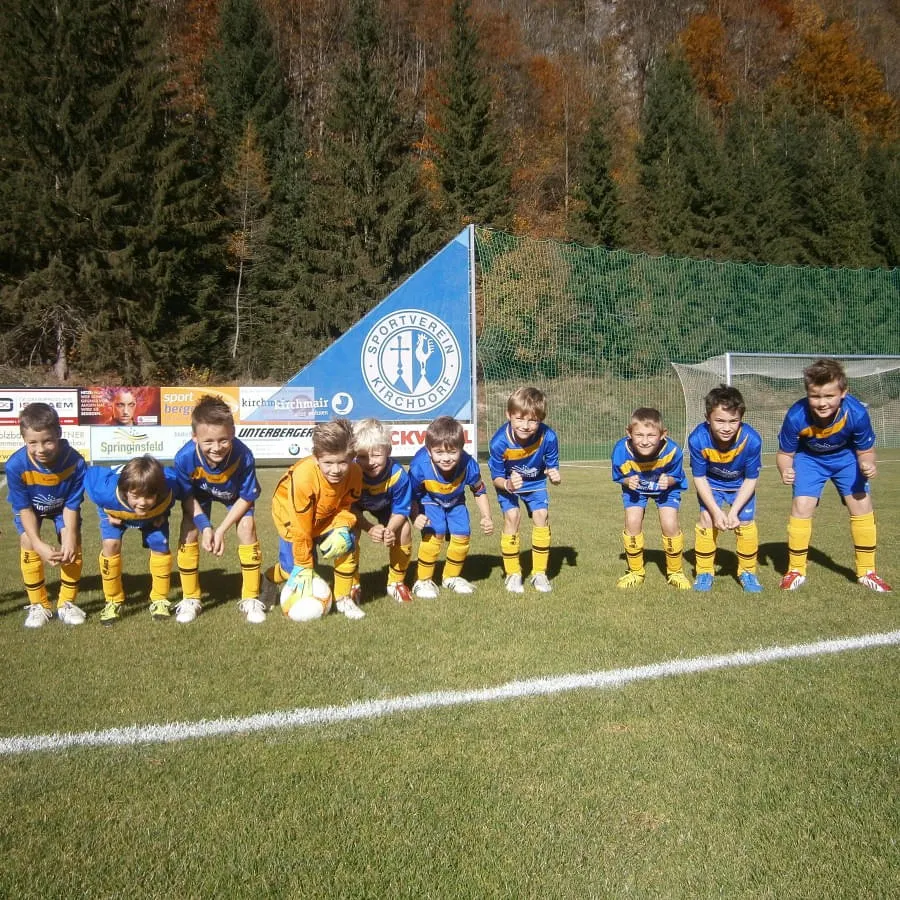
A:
777	556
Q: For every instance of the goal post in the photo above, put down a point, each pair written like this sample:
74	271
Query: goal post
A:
771	382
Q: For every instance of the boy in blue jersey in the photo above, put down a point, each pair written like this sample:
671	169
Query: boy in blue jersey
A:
440	472
726	458
139	497
524	454
649	465
215	466
46	481
828	436
387	498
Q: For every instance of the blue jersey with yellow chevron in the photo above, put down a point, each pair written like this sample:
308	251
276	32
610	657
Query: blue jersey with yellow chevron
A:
447	491
389	492
725	469
47	490
531	461
850	430
234	479
102	485
668	460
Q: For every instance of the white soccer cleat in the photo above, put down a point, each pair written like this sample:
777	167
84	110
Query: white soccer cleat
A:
70	614
188	610
347	607
253	609
426	589
874	582
540	582
458	585
513	583
37	616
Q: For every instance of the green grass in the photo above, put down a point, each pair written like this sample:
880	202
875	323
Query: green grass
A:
777	780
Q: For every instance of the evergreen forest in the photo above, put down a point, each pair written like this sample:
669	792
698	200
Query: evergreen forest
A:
212	190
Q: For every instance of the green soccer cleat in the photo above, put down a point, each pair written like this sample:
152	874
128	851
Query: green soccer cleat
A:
111	613
160	609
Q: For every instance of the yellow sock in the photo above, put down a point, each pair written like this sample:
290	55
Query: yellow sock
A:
32	567
799	532
674	547
344	575
69	577
705	550
251	567
160	575
746	537
400	555
509	550
864	534
429	551
540	549
634	551
111	578
457	551
189	570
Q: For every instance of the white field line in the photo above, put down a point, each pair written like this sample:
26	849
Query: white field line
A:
371	709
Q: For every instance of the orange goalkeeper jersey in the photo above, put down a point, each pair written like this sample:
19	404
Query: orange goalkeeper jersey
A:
305	505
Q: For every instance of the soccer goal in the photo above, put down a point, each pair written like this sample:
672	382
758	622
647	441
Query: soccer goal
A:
771	382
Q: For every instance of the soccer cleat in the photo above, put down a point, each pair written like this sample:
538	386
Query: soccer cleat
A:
187	610
70	614
356	593
750	583
792	580
160	610
874	582
458	585
631	580
400	592
111	613
540	582
703	582
514	583
426	589
347	607
37	615
254	609
678	580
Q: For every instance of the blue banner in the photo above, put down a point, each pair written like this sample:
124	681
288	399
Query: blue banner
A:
410	359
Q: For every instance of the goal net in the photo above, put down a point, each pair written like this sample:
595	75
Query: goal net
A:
770	383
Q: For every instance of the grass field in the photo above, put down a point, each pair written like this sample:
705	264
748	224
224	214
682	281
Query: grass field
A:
773	779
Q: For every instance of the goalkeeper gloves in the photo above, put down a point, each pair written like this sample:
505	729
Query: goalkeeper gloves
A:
301	580
337	542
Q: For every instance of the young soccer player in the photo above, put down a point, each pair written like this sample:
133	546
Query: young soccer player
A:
215	466
524	454
726	458
828	436
312	509
387	497
139	497
649	466
46	481
440	472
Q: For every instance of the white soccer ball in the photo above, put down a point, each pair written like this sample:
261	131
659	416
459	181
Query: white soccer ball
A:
306	609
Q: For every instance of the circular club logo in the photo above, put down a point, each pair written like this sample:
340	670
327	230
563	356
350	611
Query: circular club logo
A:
411	361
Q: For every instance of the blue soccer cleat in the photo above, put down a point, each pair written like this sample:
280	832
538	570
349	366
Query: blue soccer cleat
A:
703	582
750	583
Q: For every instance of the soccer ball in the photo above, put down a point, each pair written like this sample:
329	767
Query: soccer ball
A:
306	609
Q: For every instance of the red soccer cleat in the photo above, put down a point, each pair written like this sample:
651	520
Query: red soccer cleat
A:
874	582
792	580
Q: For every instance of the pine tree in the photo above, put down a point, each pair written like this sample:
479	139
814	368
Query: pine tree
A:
883	199
598	218
469	161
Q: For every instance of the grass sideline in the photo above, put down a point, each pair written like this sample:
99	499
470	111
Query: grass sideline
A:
775	780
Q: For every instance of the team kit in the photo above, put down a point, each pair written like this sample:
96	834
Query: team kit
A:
351	486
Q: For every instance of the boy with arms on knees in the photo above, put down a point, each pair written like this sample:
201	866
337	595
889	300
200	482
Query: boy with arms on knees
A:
387	497
726	458
828	436
140	496
649	466
215	465
312	509
524	453
46	481
440	472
